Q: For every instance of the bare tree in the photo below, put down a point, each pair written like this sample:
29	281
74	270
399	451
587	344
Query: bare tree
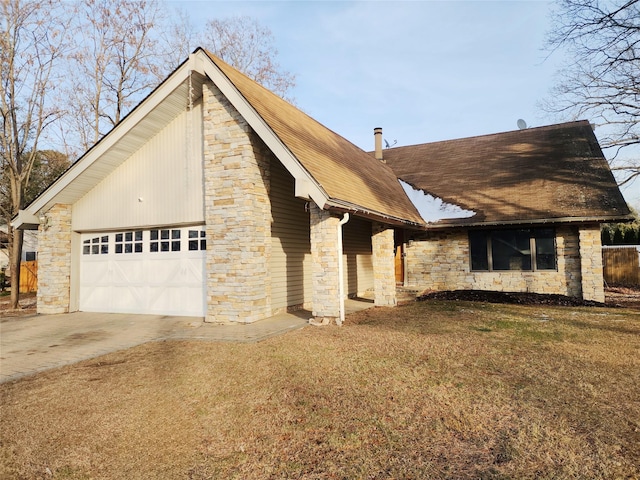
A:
47	167
32	42
178	39
248	46
115	63
602	80
126	47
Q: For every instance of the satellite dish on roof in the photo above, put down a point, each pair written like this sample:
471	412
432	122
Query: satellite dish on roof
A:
522	124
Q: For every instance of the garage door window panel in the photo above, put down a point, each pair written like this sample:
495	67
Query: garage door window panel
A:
161	240
128	242
96	246
197	240
175	240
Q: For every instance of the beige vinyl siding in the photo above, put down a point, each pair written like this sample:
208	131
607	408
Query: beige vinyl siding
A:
357	256
290	243
160	184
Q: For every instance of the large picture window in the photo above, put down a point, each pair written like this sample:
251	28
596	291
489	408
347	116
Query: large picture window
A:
514	249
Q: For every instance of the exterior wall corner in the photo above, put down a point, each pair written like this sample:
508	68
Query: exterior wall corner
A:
237	215
591	272
325	271
54	261
384	279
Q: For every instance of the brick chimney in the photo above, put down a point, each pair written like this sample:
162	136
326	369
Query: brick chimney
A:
377	135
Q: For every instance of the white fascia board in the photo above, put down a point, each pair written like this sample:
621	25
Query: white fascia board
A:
305	185
303	189
47	199
25	221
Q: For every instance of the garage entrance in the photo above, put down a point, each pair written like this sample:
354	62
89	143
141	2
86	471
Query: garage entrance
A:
154	271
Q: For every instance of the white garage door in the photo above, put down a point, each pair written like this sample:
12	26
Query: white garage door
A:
157	271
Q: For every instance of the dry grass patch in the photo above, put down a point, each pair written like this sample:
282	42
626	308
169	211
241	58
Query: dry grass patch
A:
428	390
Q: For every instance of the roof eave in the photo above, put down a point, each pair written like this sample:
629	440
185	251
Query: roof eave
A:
359	211
25	220
540	221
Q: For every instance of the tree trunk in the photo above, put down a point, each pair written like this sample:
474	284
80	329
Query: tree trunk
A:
16	237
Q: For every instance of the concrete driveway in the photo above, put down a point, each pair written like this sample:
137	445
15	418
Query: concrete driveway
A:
40	342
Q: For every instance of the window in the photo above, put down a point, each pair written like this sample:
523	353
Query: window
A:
164	240
197	240
129	242
96	246
523	249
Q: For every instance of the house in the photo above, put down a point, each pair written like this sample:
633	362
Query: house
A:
536	198
215	198
29	247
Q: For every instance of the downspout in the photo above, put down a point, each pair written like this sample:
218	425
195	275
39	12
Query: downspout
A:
344	220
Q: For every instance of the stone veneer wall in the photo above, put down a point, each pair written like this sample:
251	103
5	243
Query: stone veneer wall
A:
384	280
237	214
440	261
591	261
325	271
54	261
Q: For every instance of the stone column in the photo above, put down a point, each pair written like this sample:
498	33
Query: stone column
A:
324	257
384	278
591	263
237	214
54	261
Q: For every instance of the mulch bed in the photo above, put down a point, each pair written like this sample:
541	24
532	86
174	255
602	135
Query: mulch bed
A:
614	297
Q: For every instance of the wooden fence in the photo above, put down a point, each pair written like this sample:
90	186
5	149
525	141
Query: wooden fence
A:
621	265
29	276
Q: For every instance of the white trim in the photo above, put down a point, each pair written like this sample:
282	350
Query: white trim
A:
25	221
74	281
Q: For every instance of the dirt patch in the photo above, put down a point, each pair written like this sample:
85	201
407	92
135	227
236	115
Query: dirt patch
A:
27	304
628	297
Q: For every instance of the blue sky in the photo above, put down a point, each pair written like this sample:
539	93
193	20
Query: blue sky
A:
422	70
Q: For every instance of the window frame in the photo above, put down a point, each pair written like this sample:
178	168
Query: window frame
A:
534	235
128	242
96	245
